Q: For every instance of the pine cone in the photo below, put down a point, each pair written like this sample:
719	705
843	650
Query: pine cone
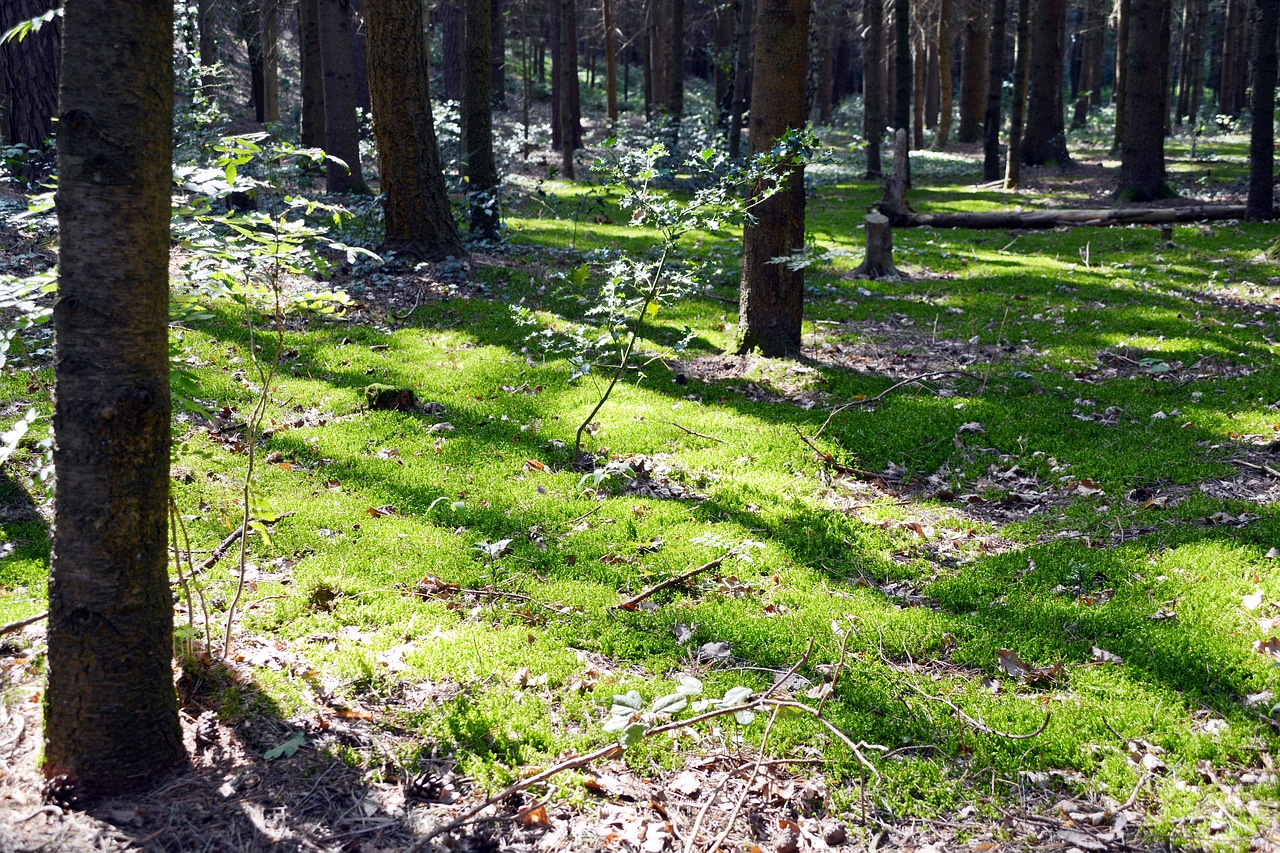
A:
62	790
430	787
206	730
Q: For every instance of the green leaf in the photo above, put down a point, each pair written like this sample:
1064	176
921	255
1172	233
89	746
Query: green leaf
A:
631	735
286	749
744	718
627	704
689	686
579	276
735	696
669	704
617	723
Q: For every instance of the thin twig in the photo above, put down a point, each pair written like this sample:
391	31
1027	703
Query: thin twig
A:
830	461
630	603
746	789
692	840
1133	798
698	434
22	623
1264	468
867	401
855	748
977	724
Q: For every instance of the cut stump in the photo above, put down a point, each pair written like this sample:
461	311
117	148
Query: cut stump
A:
879	260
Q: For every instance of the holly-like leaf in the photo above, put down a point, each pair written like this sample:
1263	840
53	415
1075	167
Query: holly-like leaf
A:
286	749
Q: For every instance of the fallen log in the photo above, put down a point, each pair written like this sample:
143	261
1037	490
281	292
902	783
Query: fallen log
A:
1054	217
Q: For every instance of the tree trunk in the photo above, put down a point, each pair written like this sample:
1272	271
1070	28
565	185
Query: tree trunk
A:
742	74
973	71
449	15
1262	105
1191	65
31	68
312	73
658	44
1122	51
208	46
477	121
1017	111
825	34
873	83
553	41
360	59
1232	94
1090	61
1004	220
675	73
270	23
946	88
1142	147
1044	140
995	83
771	301
111	713
610	66
498	53
419	221
341	135
902	64
878	262
568	119
919	68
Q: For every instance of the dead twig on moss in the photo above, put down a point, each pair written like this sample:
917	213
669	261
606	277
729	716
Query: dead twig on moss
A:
830	461
698	434
630	603
867	401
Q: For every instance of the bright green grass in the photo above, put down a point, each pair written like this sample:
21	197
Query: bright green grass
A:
1045	305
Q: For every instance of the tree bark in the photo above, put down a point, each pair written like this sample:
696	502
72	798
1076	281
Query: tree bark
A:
771	301
995	83
1262	105
419	222
946	88
31	70
1044	140
1142	146
360	59
477	122
312	73
1017	110
824	62
873	84
1050	218
449	16
498	53
1191	66
976	37
742	74
878	262
1122	51
269	21
341	135
919	70
902	64
111	713
1232	93
1092	30
610	66
568	118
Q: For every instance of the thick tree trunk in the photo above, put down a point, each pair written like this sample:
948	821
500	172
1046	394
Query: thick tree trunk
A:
477	122
610	66
1262	105
1142	146
419	222
878	262
30	69
742	74
449	17
1104	217
1017	110
946	88
902	72
208	44
312	73
111	713
771	302
1044	140
341	135
975	54
824	35
995	83
675	73
873	84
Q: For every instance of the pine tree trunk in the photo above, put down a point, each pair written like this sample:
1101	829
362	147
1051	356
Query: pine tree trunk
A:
741	75
902	73
824	20
873	84
1122	51
1142	146
498	53
610	66
1017	110
919	67
946	87
312	73
1044	140
111	713
975	55
419	221
341	135
449	17
1191	66
771	302
477	121
270	22
1262	105
208	46
31	69
1231	95
995	83
568	85
1090	61
360	59
675	72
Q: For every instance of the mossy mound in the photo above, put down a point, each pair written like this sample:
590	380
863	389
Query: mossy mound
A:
391	397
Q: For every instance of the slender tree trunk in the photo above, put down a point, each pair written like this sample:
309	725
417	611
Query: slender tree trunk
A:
498	53
208	46
873	84
1017	111
946	87
1191	68
568	84
312	73
30	69
902	64
1235	51
449	15
995	83
341	135
419	221
741	75
1262	105
675	72
919	67
1122	51
771	302
111	713
825	34
553	40
1044	140
360	58
610	66
1142	148
477	121
976	37
1090	61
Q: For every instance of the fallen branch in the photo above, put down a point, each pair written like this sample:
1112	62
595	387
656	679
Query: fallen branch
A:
742	798
630	603
855	748
830	462
976	723
867	401
698	434
1266	469
22	623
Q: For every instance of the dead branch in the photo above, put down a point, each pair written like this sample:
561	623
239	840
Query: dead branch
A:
975	723
867	401
698	434
746	790
855	748
22	623
830	462
630	603
1266	469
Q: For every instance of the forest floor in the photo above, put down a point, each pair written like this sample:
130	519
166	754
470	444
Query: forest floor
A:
993	564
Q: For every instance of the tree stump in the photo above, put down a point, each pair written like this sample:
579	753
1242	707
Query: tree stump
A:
879	260
899	180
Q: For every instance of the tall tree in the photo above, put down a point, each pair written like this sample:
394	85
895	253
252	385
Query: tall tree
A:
419	221
1232	93
1091	32
1195	21
341	135
873	83
477	122
902	73
269	23
498	52
995	83
741	74
976	39
771	300
1142	146
568	119
312	73
946	90
1262	104
111	713
610	65
1045	139
30	69
449	19
1017	109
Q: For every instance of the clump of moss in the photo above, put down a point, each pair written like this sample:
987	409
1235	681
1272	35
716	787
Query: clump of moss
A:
390	397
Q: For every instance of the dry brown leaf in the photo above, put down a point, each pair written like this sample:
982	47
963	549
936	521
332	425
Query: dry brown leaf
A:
535	817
